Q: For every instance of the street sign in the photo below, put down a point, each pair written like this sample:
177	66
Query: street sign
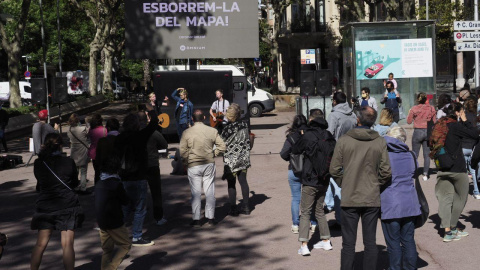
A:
466	25
466	36
467	46
27	75
307	56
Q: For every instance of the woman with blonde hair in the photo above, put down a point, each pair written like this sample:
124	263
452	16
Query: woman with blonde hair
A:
420	115
399	203
386	122
78	135
237	158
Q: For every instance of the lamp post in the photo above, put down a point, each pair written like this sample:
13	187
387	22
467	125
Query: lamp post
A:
44	45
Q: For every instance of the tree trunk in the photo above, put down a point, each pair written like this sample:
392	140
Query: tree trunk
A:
92	70
12	47
146	73
107	69
13	75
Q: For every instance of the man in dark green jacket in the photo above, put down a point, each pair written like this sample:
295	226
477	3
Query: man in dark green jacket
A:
360	166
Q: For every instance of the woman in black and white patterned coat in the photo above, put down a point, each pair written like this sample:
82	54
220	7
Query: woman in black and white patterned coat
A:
237	158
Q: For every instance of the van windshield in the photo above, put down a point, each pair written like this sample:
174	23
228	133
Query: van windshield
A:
27	89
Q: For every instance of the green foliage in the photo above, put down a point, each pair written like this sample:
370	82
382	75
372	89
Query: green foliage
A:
12	112
444	13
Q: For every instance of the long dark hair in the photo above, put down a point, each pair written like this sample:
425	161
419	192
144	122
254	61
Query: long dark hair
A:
443	100
96	121
452	109
53	143
298	121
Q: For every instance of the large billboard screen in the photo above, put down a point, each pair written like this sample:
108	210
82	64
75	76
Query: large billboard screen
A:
405	58
180	29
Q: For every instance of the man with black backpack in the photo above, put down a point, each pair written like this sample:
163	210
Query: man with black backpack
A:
131	145
360	166
317	145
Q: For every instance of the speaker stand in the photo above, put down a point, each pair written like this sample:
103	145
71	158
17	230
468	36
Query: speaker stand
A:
308	110
60	118
324	112
30	159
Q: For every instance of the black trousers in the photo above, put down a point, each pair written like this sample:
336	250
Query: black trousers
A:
350	218
96	168
155	183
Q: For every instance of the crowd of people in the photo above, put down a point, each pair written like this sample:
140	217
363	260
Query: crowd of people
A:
126	164
351	165
371	172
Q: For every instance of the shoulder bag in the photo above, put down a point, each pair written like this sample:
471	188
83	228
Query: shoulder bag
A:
425	211
73	134
296	160
56	176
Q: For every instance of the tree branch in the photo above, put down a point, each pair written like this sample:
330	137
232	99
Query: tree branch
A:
86	11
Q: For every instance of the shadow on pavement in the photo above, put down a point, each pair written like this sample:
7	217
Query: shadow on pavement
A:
383	261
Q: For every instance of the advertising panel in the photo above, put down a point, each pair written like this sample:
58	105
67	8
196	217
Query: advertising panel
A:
405	58
181	29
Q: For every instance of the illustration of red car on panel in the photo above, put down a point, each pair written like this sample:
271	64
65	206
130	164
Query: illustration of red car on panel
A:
373	70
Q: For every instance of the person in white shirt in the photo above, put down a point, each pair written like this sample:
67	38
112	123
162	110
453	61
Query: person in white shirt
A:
218	109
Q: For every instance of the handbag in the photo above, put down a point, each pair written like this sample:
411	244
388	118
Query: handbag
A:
401	112
443	160
296	161
425	211
252	139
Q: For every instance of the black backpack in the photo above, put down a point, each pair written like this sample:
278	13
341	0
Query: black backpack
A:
130	161
318	158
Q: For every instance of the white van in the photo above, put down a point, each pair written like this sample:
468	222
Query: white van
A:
259	101
25	92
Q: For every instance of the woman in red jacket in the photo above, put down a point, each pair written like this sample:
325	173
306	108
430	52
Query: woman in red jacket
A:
420	114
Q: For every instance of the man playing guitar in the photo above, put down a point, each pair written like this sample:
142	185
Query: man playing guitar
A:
220	107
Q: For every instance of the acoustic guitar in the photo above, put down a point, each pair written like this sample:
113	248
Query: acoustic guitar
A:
219	117
163	120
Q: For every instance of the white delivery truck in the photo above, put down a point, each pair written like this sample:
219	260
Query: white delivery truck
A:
25	92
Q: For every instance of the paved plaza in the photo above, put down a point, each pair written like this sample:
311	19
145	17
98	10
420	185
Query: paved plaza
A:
262	240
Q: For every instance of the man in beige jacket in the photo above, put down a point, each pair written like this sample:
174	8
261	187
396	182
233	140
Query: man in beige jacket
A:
196	150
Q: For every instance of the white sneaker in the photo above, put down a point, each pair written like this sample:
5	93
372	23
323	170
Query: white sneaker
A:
312	228
295	229
304	251
161	222
476	197
326	245
425	177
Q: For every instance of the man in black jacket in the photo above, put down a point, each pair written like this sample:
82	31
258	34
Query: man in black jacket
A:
109	198
313	188
131	145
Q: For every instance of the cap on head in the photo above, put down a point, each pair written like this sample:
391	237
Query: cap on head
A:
43	114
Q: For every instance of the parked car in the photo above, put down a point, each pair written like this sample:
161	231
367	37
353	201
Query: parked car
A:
25	92
373	70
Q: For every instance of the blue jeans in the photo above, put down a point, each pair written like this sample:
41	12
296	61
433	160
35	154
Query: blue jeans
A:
467	154
333	199
180	129
399	236
296	190
137	193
